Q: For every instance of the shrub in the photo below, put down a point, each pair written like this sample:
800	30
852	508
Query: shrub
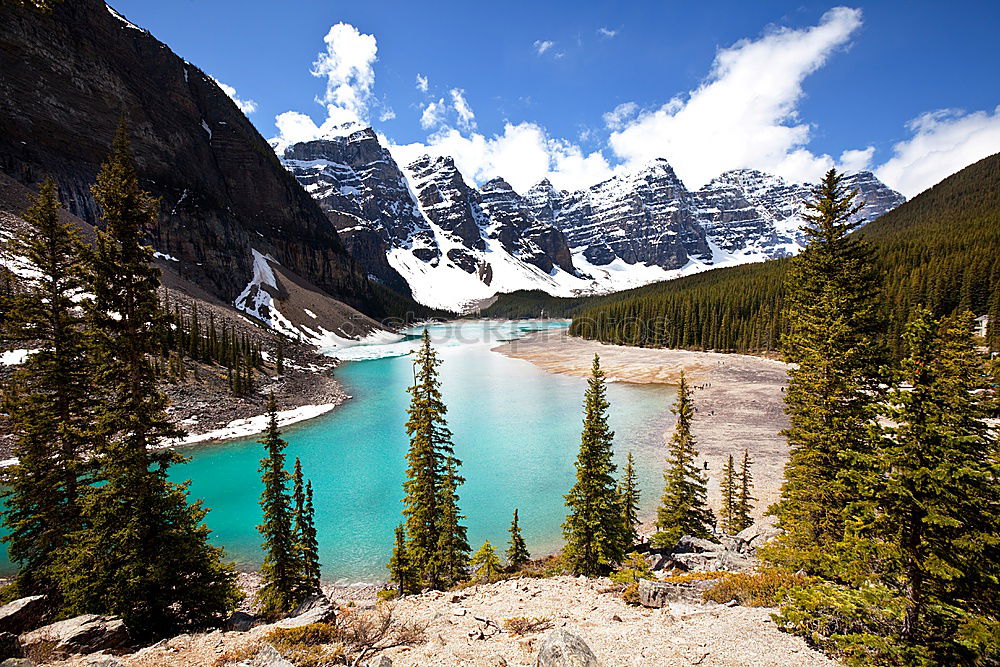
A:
631	595
521	625
634	568
688	577
313	634
766	588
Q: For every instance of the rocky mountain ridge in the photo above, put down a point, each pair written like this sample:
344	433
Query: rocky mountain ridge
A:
454	245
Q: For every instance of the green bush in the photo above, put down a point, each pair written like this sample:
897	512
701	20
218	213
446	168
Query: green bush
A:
632	570
766	588
631	595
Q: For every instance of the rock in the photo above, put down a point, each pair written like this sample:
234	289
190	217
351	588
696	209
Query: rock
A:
17	662
80	635
24	614
10	646
384	661
267	657
240	621
696	545
564	649
758	534
661	593
103	661
317	609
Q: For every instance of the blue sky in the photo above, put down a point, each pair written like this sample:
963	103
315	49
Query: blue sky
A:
524	90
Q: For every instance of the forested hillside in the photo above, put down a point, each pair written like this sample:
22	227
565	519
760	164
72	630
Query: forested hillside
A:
941	249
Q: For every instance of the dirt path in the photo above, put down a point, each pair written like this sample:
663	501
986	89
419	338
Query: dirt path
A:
739	398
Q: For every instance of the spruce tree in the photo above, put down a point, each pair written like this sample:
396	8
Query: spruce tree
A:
684	509
430	453
451	560
745	499
593	528
280	590
939	472
834	382
400	570
485	563
517	551
309	546
730	498
143	552
628	497
47	398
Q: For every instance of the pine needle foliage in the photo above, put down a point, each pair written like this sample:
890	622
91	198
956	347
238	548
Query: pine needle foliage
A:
47	397
485	563
727	508
517	550
143	552
629	497
593	528
744	500
684	508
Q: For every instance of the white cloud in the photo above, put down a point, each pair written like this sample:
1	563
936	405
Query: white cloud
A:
943	142
387	114
541	46
466	119
744	113
347	63
606	32
433	114
422	84
856	160
523	155
619	117
246	106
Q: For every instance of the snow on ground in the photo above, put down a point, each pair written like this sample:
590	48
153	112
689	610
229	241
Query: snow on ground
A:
257	301
239	428
15	357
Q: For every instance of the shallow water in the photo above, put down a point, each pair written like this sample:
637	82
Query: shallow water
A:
516	429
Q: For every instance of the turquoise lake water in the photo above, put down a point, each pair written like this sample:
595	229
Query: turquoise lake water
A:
516	429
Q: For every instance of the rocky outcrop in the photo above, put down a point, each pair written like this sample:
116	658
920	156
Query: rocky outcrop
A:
80	68
657	594
24	614
563	649
267	657
317	609
88	633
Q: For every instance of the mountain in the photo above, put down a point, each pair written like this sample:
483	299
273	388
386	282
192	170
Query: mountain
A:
78	69
422	227
941	249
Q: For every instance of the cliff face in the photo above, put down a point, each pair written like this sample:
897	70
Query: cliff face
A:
68	76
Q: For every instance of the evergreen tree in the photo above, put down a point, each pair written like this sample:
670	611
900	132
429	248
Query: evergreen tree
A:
281	571
429	454
745	500
834	380
730	498
400	570
594	541
309	546
47	396
143	552
517	551
628	497
451	559
485	563
279	356
683	509
939	473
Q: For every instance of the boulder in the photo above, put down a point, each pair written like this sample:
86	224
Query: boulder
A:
88	633
103	661
695	545
662	593
267	657
10	646
17	662
317	609
384	661
24	614
240	621
563	649
758	534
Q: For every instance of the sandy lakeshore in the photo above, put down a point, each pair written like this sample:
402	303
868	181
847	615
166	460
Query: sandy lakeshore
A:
739	398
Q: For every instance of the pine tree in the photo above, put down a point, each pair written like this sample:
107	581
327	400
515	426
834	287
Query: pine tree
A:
400	570
279	356
47	397
143	552
592	529
452	557
730	497
834	380
683	509
485	564
309	546
430	453
744	501
628	497
517	551
280	590
939	470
